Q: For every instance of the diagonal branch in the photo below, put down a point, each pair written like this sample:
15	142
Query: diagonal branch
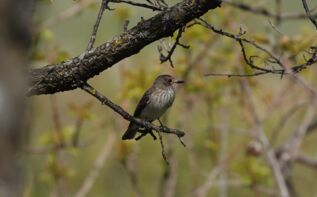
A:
73	73
105	101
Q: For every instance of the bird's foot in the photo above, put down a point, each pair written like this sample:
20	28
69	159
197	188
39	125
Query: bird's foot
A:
144	132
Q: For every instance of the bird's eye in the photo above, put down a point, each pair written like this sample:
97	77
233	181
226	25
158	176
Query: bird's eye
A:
170	80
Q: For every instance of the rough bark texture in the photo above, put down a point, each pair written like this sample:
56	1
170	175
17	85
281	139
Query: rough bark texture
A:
73	73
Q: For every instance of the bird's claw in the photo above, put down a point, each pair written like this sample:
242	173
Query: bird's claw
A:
152	134
144	132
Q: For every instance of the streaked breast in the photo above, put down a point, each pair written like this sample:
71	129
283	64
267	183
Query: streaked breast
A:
160	101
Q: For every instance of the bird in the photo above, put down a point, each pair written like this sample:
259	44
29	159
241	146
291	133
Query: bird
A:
154	103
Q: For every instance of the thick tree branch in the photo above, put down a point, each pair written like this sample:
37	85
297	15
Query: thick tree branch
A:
73	73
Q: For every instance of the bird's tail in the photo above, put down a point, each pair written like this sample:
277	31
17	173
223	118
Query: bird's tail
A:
131	132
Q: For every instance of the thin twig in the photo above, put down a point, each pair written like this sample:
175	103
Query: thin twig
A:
168	57
239	38
274	59
310	16
103	6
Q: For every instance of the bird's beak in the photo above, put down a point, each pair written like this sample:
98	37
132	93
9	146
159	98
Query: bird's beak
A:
179	81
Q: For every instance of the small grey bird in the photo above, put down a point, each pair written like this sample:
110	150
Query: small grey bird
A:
155	101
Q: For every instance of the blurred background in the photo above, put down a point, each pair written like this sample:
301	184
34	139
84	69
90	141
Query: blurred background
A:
75	141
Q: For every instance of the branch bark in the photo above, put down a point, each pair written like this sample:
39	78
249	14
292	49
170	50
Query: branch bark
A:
73	73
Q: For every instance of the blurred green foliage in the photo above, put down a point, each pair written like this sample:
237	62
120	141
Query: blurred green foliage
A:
211	110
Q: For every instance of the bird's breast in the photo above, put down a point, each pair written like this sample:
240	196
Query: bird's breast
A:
159	102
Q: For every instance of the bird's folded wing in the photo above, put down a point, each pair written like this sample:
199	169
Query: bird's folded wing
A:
143	103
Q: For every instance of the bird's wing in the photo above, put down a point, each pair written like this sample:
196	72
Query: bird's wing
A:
143	102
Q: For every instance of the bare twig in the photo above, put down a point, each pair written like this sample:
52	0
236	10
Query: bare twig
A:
238	38
310	16
103	7
273	59
168	57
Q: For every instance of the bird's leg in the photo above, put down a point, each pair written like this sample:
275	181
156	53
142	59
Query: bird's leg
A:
161	124
152	134
144	132
149	130
163	127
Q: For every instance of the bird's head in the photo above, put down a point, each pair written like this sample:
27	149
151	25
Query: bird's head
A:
166	81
